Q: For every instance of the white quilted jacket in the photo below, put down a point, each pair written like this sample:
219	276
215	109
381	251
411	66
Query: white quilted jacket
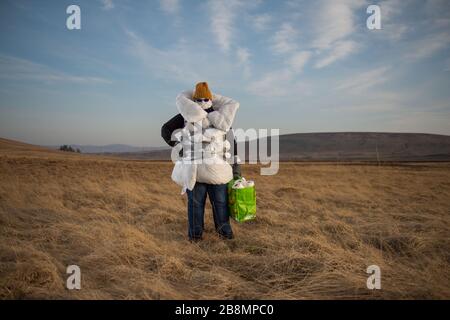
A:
205	164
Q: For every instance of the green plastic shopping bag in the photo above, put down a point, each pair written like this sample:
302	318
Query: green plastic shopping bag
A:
242	201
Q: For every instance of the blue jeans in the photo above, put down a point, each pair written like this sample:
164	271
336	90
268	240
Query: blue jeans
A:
218	196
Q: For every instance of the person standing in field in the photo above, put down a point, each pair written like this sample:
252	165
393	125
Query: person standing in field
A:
210	117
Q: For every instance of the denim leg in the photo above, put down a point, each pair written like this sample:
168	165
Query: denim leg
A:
196	210
218	196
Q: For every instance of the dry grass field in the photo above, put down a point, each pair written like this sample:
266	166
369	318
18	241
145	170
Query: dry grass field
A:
124	223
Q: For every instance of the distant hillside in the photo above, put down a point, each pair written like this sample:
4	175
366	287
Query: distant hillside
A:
7	145
347	146
110	148
365	146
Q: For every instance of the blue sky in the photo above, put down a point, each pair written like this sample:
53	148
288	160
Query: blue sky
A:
300	66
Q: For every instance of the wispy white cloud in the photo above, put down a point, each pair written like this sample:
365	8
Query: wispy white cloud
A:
428	45
108	4
333	25
222	15
275	84
340	50
285	39
298	60
367	79
391	9
243	56
396	24
261	22
395	31
170	6
279	83
335	21
332	29
171	64
184	63
393	28
25	70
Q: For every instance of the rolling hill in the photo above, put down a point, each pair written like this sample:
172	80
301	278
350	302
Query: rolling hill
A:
345	146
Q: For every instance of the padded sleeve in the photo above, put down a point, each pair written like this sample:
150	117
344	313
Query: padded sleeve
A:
177	122
225	110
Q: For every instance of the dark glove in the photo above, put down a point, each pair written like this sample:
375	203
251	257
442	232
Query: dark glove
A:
236	171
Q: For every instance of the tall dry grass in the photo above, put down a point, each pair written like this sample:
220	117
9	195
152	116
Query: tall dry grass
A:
124	223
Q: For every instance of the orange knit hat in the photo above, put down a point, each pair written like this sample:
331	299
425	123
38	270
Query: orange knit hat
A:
202	91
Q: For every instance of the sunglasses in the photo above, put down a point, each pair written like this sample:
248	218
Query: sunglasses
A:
202	100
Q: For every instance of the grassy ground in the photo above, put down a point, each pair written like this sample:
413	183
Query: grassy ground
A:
124	223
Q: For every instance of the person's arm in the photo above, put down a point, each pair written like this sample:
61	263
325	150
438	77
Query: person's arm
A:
235	165
225	110
177	122
189	110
